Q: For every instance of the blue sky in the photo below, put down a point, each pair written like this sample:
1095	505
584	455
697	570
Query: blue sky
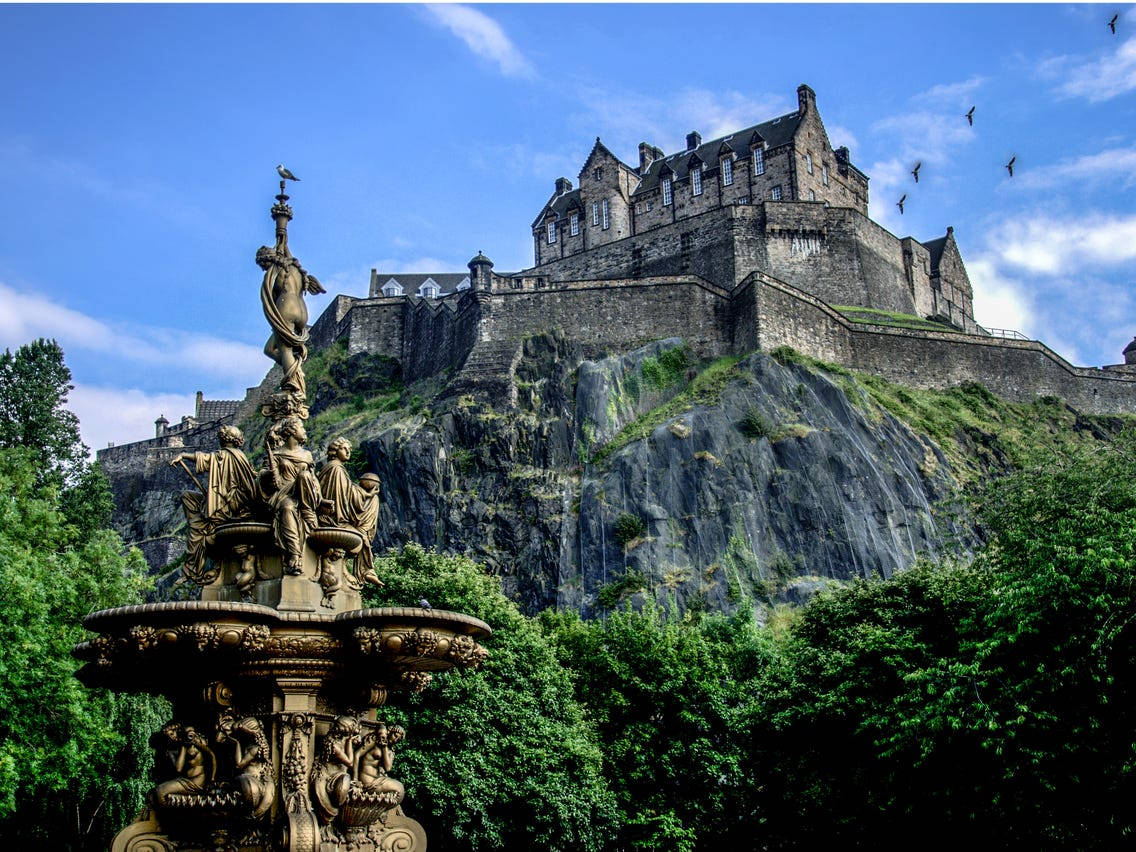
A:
138	145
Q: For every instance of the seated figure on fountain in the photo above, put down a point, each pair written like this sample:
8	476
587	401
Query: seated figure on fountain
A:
193	763
226	495
351	505
291	490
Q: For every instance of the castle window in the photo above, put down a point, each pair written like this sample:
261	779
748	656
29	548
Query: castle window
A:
429	289
392	288
606	221
727	171
638	208
758	161
598	174
743	200
696	182
574	224
649	206
775	193
824	174
809	162
551	232
668	195
595	212
812	195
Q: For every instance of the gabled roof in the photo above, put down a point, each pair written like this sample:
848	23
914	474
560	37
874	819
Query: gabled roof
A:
559	205
935	247
216	409
447	281
775	132
600	147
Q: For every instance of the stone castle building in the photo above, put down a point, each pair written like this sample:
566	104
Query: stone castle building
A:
754	240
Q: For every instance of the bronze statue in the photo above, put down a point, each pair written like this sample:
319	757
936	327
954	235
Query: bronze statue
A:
351	505
293	492
374	760
252	761
332	775
227	494
194	764
282	297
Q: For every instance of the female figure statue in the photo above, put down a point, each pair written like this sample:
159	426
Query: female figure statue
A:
332	777
294	491
282	297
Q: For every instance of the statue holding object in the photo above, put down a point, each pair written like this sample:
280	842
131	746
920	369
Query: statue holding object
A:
351	505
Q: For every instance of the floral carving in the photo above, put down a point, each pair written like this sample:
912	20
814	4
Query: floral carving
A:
415	681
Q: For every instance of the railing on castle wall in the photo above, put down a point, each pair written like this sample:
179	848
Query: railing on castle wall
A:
1008	333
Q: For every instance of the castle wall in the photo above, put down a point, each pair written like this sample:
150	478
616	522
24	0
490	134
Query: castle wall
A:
1017	370
437	334
615	314
376	326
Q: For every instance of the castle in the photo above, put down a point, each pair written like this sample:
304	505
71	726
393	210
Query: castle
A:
755	240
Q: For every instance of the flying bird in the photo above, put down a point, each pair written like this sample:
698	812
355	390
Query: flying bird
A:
1112	23
425	604
899	203
284	173
1010	165
970	116
915	171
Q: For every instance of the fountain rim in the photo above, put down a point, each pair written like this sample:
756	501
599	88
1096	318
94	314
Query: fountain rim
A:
259	613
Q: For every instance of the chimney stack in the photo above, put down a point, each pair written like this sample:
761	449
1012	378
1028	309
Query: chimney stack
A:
693	140
646	157
806	99
563	185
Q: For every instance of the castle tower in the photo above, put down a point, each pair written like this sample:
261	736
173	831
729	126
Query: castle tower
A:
161	425
480	272
1130	353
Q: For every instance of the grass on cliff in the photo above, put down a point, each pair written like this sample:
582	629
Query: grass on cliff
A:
872	316
704	389
976	430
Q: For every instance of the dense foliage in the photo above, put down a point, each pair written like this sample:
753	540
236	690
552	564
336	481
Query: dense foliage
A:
72	762
986	701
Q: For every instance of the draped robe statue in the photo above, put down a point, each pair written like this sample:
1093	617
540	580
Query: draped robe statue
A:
354	506
293	492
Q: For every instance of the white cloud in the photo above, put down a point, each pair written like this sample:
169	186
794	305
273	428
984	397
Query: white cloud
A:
625	118
956	93
1116	165
925	136
888	180
838	136
123	415
1096	79
1052	246
483	36
28	316
999	301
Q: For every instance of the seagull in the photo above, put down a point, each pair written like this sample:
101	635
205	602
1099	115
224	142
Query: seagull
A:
284	173
1010	165
970	116
425	604
1112	23
899	203
915	171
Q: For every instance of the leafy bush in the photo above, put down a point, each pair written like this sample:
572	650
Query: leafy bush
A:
628	527
755	425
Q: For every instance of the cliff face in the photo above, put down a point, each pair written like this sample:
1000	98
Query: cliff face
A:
645	475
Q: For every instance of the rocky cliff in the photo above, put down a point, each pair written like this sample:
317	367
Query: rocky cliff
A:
586	482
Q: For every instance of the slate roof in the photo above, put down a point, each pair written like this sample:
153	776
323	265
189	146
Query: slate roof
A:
776	132
559	204
209	410
447	281
935	247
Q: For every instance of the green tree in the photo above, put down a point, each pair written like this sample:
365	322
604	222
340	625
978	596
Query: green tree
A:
34	384
502	757
667	695
71	761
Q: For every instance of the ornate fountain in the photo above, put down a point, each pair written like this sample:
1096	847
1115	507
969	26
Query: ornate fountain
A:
277	673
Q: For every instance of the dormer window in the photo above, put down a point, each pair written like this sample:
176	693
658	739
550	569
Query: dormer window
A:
668	192
758	161
429	289
595	212
696	181
463	284
551	232
606	221
727	171
574	224
392	288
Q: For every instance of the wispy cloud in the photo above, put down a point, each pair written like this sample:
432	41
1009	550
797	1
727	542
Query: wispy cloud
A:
999	300
526	162
923	135
959	93
482	35
624	117
1115	165
123	415
839	135
1094	79
27	316
1052	246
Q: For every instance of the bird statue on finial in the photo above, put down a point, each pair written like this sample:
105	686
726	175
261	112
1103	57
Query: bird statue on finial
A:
284	173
